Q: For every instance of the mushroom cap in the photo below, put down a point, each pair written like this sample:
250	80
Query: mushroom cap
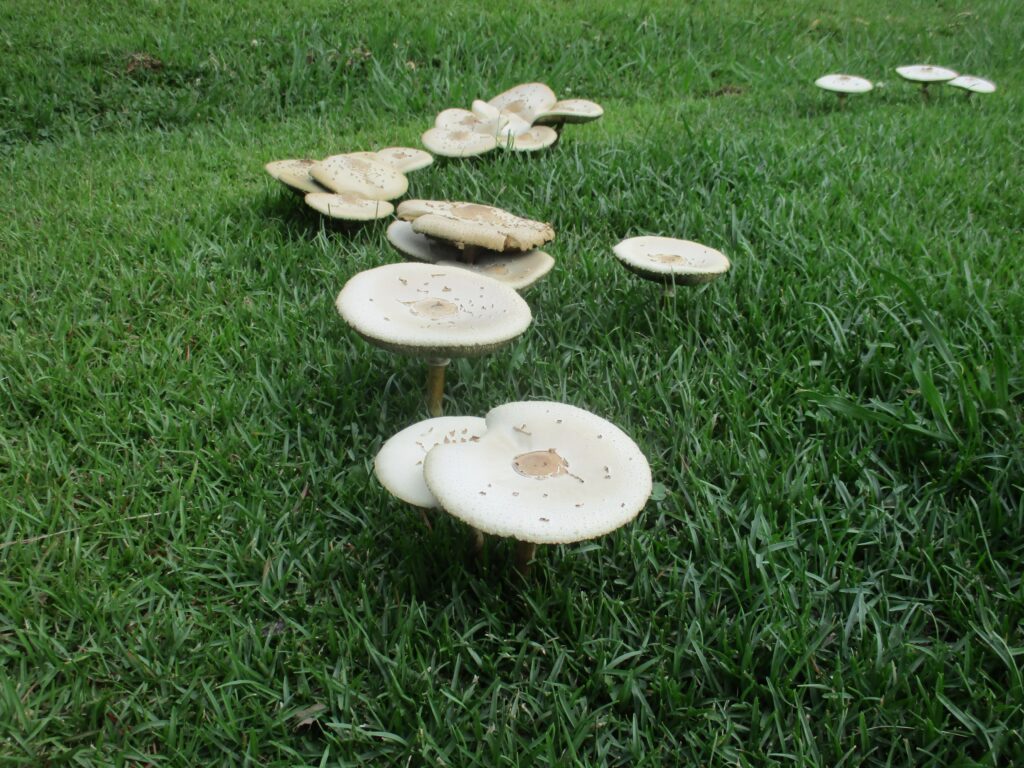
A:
458	143
973	84
420	247
358	173
536	138
570	111
399	462
456	119
669	260
925	73
844	84
348	206
474	224
543	472
405	159
426	310
527	100
294	174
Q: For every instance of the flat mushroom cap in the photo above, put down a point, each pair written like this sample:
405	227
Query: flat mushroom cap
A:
399	463
973	84
543	472
669	260
420	247
925	73
844	84
458	143
427	310
414	208
348	206
405	159
294	174
570	111
365	176
480	225
527	100
518	271
538	137
456	119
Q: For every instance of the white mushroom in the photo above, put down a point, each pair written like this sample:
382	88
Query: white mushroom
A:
471	224
348	206
463	120
362	174
405	159
295	174
527	100
570	111
925	74
542	473
434	312
538	137
972	84
671	261
458	143
842	85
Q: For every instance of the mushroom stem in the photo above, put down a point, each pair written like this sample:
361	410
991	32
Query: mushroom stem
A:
525	552
669	291
925	92
476	543
842	100
470	253
435	384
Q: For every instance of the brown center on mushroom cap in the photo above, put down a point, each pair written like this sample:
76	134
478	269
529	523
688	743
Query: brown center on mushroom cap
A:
540	464
475	212
433	308
669	258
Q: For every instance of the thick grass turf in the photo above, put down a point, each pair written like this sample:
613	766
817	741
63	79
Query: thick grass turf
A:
198	567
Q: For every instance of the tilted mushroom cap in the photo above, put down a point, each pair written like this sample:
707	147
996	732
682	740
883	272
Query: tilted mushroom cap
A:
474	224
427	310
925	73
527	100
538	137
405	159
456	119
294	174
973	84
844	84
365	176
420	247
413	209
547	473
670	260
399	463
348	206
460	143
570	111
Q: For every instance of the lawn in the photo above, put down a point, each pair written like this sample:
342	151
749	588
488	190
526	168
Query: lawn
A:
199	567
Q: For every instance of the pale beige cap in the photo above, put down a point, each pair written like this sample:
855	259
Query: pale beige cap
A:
973	84
536	138
844	84
348	206
570	111
364	175
405	159
527	100
294	174
667	259
480	225
458	143
925	73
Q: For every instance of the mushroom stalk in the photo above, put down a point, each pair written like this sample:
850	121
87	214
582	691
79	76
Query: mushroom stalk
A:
470	253
842	101
435	384
525	552
476	543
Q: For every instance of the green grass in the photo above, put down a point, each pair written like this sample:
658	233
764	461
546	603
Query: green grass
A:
195	551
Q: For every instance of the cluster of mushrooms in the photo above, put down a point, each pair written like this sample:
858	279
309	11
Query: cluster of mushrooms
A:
536	472
923	74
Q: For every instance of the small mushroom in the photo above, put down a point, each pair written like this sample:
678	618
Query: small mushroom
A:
361	173
434	312
925	74
348	206
294	174
541	473
671	261
971	84
472	224
843	85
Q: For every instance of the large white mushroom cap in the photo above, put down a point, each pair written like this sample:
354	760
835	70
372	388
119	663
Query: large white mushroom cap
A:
428	310
294	174
399	463
474	224
925	73
543	472
670	260
458	143
527	100
405	159
536	138
348	206
973	84
570	111
362	173
844	84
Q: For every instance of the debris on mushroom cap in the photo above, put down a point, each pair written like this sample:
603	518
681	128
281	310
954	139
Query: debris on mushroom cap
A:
844	84
294	174
925	73
516	270
570	111
405	159
474	224
348	206
543	472
399	463
973	84
461	143
428	310
527	100
368	177
538	137
670	260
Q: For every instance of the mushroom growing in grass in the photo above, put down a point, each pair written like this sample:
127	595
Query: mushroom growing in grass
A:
971	84
670	261
474	228
294	174
843	85
925	75
433	312
541	473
